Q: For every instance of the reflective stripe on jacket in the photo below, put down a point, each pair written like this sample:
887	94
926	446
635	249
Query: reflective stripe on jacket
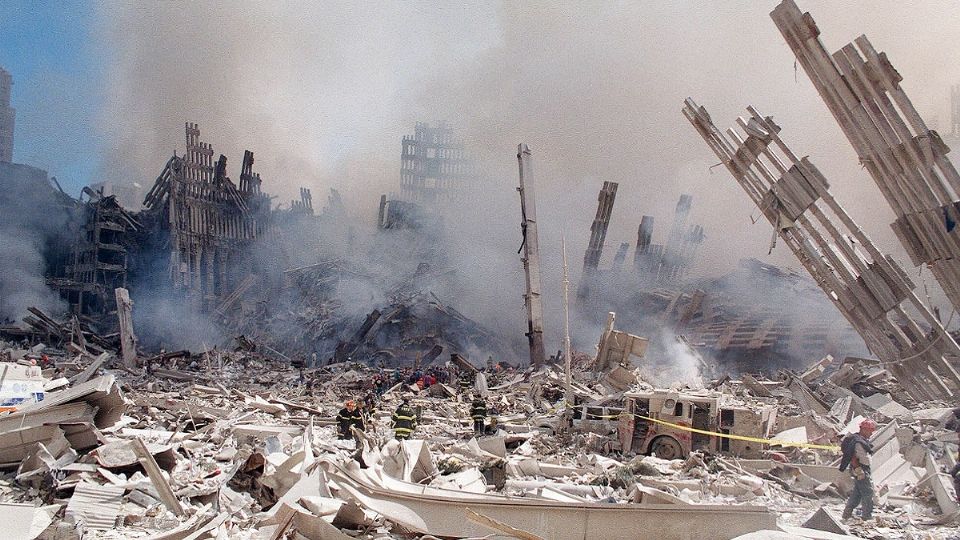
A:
346	418
404	420
478	410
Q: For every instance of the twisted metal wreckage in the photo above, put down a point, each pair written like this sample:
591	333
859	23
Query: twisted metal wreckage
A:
243	443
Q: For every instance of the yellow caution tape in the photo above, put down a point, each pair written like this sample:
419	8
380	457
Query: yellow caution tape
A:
743	438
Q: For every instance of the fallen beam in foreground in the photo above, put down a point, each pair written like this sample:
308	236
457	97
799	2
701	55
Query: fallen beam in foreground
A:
441	512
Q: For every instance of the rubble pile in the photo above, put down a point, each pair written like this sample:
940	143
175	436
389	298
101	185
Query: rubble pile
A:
406	330
418	422
235	444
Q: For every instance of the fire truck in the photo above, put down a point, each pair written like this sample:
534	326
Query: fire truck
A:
706	411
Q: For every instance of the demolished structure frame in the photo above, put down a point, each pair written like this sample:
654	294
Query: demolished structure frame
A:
874	294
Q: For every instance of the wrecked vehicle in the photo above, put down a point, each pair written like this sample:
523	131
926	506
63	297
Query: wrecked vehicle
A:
658	422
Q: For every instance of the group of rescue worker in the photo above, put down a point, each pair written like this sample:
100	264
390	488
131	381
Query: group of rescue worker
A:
354	416
351	417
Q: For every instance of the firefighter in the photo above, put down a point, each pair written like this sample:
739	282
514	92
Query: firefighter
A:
466	383
404	420
349	416
857	449
478	411
369	402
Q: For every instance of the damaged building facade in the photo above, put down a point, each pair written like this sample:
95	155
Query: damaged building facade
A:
436	169
434	165
190	240
99	258
207	221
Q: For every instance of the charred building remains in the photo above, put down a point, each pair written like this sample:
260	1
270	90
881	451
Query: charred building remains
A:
99	257
434	165
205	221
191	239
209	263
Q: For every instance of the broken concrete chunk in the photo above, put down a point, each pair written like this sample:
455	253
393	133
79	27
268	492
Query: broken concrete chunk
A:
26	521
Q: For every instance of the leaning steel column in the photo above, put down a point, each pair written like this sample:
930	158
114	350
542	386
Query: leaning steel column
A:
907	161
867	287
598	233
531	256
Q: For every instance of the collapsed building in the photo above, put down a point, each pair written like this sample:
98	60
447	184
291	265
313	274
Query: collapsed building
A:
245	443
99	257
206	221
199	243
209	259
724	319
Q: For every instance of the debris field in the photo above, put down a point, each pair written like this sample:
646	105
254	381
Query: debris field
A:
309	410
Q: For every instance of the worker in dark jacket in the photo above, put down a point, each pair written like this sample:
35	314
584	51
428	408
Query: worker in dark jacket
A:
404	420
478	411
955	474
349	416
856	452
954	424
465	382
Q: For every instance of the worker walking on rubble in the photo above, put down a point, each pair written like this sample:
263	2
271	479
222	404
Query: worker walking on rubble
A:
478	411
404	420
857	450
466	383
369	402
954	424
349	416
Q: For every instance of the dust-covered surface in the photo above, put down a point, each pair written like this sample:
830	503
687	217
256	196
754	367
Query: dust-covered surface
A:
245	442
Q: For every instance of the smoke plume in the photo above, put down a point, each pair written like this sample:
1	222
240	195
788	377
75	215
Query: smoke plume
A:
30	224
323	92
